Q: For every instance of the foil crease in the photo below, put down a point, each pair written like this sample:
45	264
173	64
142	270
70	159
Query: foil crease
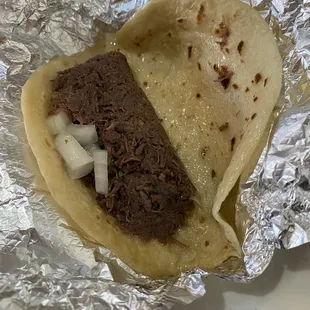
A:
42	261
277	205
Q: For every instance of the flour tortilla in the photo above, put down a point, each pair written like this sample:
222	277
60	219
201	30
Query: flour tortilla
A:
183	88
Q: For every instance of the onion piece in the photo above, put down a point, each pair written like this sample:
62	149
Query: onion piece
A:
78	162
75	174
84	134
101	171
90	148
58	123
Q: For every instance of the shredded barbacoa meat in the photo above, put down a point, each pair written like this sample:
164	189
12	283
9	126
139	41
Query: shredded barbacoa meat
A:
149	190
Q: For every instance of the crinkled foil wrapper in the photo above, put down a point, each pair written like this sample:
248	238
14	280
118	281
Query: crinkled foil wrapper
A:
45	264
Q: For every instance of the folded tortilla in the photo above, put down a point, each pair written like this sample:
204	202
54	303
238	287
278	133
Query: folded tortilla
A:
213	73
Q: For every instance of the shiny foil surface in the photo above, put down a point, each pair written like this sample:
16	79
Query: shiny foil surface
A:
42	261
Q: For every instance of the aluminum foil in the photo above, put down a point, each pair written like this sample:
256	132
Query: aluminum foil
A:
274	196
42	261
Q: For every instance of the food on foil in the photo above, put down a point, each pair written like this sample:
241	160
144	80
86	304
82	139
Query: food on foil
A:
178	106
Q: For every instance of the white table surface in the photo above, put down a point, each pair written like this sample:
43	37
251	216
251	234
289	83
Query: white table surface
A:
284	285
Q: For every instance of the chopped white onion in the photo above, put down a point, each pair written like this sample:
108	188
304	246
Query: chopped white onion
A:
90	148
84	134
101	171
79	163
58	123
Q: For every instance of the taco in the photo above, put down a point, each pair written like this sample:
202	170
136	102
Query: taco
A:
174	105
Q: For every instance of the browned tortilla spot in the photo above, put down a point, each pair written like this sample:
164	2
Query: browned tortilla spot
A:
240	47
224	33
198	95
180	20
253	116
145	83
225	82
255	98
207	243
257	78
265	81
224	127
201	14
189	52
202	219
233	141
204	151
235	86
247	89
199	66
224	75
213	174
